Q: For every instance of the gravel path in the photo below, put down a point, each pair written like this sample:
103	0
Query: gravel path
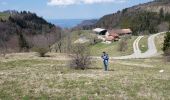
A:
152	51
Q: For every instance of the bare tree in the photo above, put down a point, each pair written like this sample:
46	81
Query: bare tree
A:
123	45
80	56
40	45
164	26
64	43
3	42
59	44
3	48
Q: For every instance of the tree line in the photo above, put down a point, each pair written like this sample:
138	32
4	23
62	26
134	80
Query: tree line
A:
139	21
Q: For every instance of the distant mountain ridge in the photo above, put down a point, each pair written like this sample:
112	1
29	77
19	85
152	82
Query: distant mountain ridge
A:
88	22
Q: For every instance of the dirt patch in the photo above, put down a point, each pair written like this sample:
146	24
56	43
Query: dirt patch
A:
137	65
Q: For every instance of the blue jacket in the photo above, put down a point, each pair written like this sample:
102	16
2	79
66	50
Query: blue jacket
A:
105	57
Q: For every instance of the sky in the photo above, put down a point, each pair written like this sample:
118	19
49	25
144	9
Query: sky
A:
69	9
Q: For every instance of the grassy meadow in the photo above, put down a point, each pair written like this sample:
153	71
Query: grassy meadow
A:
28	77
112	49
143	44
97	49
25	76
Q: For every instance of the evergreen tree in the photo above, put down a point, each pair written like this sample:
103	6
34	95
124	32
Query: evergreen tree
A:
166	45
161	14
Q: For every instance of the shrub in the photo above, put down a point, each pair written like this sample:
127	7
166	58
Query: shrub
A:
166	46
167	54
40	44
95	40
122	45
41	51
80	56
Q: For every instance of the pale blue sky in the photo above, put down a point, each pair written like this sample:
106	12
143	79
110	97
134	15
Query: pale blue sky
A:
69	9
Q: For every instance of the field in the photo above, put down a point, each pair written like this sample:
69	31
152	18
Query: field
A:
97	49
26	76
112	49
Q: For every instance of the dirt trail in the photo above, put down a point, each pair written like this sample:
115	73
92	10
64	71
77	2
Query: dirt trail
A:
152	51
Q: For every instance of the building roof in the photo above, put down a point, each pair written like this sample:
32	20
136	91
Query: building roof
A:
99	30
112	33
110	38
121	31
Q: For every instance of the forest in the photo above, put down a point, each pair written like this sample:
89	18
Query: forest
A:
22	31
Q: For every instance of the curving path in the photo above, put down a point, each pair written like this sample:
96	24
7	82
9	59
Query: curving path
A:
152	51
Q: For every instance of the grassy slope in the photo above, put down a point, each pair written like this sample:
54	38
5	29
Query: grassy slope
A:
96	50
159	42
143	44
51	79
112	49
4	16
72	38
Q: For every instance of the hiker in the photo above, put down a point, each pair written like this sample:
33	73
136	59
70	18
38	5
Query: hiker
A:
105	58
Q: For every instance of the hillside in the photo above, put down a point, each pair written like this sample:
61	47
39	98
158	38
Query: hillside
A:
18	28
155	6
150	17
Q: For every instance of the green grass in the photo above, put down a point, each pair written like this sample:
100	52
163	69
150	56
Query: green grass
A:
97	49
112	49
44	79
143	44
4	16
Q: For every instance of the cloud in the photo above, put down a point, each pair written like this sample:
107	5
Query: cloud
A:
74	2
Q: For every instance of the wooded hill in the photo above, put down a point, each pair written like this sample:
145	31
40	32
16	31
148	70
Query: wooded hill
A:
145	18
20	30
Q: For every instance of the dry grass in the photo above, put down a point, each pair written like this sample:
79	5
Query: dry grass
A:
159	42
50	78
143	44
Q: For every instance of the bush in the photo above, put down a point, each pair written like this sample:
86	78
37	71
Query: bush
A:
166	46
41	44
95	40
41	51
123	45
80	56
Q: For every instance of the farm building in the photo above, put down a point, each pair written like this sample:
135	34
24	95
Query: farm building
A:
121	32
111	35
100	31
